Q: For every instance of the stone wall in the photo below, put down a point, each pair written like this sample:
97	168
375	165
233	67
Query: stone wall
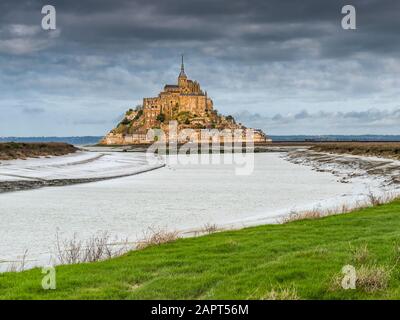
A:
190	135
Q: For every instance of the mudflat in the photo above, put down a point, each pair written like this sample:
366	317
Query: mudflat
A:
14	150
389	150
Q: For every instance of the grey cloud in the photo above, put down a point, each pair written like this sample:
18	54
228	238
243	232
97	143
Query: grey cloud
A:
302	115
369	115
235	23
32	111
271	57
321	122
24	39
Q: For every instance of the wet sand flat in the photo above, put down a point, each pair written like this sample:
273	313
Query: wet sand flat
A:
174	197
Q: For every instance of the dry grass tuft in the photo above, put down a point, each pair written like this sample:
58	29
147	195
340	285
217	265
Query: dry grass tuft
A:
360	255
373	278
304	215
376	200
369	278
319	213
19	265
373	200
209	228
282	294
155	237
97	248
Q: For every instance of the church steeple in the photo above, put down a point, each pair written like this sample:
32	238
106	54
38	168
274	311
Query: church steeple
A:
182	65
182	79
182	73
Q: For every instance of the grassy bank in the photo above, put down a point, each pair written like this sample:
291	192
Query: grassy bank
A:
297	260
376	149
20	150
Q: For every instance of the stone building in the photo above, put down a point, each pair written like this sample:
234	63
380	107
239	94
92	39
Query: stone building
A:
185	96
183	103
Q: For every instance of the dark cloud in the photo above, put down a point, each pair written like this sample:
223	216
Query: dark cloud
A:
271	57
257	24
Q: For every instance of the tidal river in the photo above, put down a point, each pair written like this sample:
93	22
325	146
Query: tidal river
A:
175	197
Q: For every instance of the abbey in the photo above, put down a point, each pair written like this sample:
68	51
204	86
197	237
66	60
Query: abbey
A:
184	104
185	96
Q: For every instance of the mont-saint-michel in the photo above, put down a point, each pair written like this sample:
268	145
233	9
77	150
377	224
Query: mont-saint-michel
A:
126	173
186	106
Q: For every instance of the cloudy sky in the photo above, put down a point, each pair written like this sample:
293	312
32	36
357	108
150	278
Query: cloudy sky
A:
285	66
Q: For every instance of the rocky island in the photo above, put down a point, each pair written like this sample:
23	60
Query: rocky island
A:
185	105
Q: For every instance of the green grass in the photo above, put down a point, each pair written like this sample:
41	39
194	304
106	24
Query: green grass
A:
304	256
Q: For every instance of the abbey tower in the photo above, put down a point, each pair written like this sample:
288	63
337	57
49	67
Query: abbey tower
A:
185	96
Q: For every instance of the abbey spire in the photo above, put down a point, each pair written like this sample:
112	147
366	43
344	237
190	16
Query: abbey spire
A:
182	79
182	73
